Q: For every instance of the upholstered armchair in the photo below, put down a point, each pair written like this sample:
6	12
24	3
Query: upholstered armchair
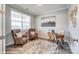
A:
32	34
18	38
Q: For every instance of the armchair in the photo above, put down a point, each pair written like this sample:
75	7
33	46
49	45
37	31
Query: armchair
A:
32	34
19	40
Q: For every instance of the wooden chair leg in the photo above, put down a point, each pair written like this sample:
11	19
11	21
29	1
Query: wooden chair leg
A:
15	45
21	45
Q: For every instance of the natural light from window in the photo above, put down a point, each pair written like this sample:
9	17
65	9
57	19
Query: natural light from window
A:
20	20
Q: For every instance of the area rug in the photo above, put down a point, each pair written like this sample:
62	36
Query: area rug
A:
37	47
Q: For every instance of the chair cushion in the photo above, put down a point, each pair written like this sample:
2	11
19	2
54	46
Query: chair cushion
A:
32	33
19	34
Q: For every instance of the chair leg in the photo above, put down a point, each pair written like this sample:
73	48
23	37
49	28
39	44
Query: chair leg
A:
21	45
15	45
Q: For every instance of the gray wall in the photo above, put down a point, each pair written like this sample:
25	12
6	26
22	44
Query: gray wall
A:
8	27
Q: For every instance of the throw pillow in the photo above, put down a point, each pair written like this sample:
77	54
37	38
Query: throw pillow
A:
32	33
19	34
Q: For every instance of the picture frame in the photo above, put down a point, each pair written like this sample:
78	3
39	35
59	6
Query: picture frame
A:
49	21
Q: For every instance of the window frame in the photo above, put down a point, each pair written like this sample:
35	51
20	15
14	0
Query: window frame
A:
21	16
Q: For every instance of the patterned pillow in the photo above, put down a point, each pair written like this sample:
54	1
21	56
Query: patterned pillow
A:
19	34
32	33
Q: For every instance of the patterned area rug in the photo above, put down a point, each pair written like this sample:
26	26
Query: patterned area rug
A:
38	47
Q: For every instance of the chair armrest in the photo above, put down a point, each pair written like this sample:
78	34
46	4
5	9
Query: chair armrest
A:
15	36
36	33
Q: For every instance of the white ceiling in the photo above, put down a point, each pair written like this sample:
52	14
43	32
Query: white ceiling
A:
42	9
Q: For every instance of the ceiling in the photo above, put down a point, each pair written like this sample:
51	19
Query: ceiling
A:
38	9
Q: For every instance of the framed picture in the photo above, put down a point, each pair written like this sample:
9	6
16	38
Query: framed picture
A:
49	21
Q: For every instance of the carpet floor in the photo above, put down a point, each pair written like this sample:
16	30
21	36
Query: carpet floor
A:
38	47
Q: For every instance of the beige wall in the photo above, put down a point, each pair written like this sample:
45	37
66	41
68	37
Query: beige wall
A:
33	21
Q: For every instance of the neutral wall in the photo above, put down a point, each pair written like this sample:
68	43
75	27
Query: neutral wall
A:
61	23
33	21
9	39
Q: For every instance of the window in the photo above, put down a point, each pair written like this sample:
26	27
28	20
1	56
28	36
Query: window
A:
25	22
19	20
